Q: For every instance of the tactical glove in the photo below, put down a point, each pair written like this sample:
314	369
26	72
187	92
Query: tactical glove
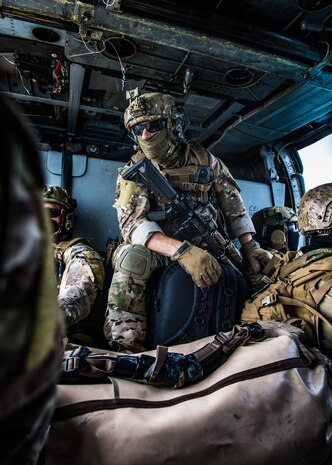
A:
255	255
202	266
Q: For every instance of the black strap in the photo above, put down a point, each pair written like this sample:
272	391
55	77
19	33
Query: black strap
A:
167	369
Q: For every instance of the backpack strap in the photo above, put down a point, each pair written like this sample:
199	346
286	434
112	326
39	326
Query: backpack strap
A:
60	248
319	293
299	303
305	260
58	253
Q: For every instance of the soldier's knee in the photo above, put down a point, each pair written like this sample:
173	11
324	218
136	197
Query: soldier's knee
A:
135	261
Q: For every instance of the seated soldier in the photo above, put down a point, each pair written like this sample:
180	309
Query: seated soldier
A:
79	272
157	125
276	229
300	290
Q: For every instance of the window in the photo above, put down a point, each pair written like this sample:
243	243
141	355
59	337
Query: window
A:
317	163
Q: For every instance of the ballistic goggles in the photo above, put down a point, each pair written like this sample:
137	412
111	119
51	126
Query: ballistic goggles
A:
54	212
151	126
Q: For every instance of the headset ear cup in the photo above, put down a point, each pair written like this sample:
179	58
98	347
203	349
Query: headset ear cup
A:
278	239
69	221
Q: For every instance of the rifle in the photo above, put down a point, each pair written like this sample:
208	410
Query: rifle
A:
195	223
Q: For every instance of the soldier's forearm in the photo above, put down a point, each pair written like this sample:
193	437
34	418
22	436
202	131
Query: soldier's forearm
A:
246	237
163	244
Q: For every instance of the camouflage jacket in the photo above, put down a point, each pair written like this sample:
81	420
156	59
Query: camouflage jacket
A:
80	277
133	201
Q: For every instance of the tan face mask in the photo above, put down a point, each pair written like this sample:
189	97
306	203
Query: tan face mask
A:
161	147
156	146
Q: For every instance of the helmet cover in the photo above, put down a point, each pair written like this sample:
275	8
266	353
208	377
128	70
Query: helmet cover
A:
56	194
315	210
148	107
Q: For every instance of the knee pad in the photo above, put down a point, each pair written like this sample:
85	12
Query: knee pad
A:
135	261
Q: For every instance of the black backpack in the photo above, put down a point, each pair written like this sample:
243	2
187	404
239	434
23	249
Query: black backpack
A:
179	312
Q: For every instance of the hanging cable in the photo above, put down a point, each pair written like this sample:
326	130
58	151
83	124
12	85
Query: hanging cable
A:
122	66
19	73
96	51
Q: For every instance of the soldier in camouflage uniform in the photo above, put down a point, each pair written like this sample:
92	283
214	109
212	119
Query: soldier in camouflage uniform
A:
157	125
277	229
79	272
30	322
300	290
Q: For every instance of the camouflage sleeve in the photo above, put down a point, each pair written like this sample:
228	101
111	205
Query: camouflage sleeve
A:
82	279
132	203
230	200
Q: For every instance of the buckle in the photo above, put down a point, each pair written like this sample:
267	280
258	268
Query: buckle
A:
71	364
269	300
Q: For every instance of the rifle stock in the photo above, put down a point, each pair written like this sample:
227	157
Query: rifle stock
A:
195	223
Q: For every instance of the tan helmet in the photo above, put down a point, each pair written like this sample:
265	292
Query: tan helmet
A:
56	194
273	227
154	106
315	211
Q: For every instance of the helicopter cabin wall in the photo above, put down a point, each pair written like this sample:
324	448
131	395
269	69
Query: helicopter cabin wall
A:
93	186
93	183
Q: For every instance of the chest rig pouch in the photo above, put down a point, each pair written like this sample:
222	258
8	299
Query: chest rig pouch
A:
195	183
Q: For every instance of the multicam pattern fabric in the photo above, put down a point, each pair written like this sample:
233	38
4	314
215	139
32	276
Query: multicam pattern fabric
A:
125	323
79	286
148	107
229	202
126	314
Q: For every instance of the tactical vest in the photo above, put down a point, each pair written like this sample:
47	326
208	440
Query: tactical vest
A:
300	293
195	178
91	327
58	254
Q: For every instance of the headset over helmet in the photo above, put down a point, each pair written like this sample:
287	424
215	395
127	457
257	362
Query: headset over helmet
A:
58	195
315	211
277	227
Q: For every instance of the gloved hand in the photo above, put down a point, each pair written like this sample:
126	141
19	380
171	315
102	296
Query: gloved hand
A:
255	255
256	281
202	266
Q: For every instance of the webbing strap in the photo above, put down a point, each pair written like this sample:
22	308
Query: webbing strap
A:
298	303
190	186
64	245
161	356
307	259
319	293
239	336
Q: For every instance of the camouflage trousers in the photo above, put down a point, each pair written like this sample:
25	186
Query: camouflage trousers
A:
125	322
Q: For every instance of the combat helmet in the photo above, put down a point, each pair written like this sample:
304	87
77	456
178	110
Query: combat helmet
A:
277	228
56	194
315	211
154	106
